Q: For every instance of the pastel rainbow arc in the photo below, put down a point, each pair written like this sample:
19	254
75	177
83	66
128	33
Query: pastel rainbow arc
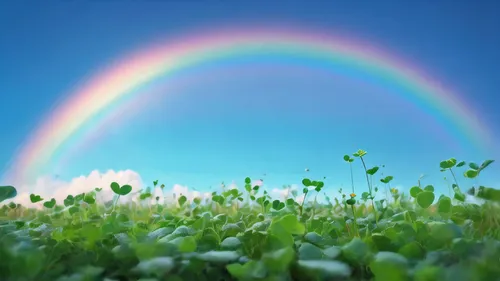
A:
125	79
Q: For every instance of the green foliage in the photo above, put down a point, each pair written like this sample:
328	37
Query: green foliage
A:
7	192
407	237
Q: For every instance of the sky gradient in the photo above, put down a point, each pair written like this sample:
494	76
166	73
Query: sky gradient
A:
259	117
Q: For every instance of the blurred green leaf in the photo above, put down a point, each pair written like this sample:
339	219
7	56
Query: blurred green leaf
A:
7	192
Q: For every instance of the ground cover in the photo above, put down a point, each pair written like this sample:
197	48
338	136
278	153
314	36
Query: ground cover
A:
381	234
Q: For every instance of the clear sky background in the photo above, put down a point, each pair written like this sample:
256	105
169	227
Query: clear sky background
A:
257	118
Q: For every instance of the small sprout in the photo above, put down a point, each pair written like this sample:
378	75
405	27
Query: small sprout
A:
359	153
351	201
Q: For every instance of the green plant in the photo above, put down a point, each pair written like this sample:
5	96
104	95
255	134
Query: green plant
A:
228	238
368	172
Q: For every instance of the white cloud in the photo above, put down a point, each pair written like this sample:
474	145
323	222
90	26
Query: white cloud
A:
48	187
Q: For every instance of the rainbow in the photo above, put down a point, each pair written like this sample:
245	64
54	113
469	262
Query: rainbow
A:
127	78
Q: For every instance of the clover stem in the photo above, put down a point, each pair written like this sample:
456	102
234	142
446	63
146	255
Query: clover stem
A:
369	187
114	203
387	188
303	201
352	178
454	178
313	209
450	189
366	174
355	223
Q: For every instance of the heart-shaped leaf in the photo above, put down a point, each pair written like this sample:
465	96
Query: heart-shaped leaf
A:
50	204
115	187
471	173
35	198
414	191
70	200
306	182
448	164
182	200
124	190
444	204
79	197
425	199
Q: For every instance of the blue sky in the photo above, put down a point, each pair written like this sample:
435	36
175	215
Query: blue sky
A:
248	123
